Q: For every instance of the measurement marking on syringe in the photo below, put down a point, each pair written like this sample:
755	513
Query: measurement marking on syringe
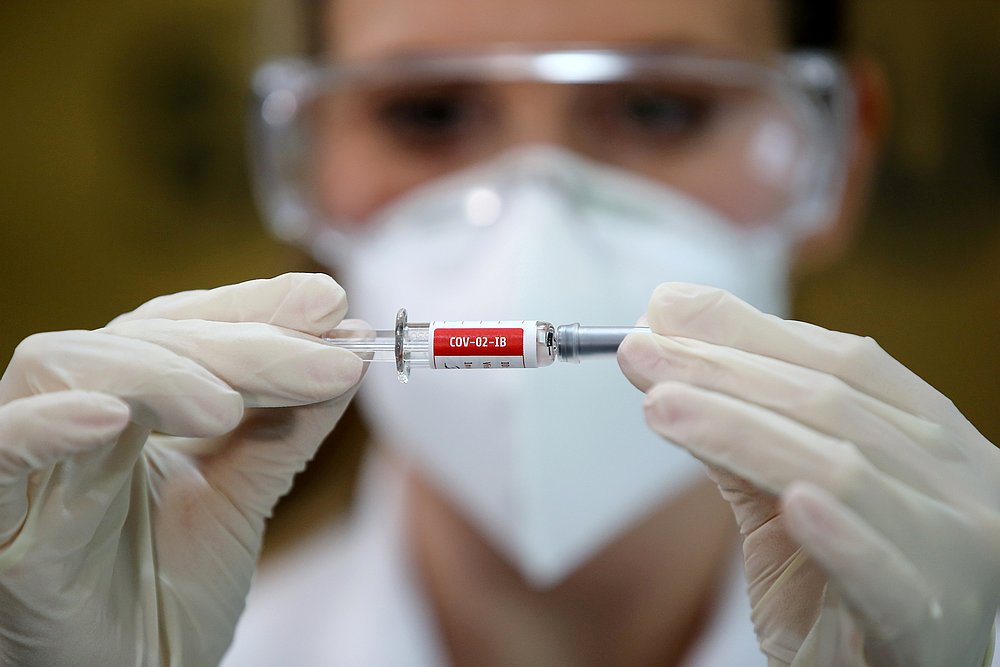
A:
458	345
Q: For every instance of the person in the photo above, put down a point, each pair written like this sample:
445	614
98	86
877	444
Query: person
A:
502	160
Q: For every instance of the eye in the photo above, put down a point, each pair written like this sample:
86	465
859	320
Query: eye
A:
653	113
431	117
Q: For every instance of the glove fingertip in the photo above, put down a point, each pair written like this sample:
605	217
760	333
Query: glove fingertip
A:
232	407
102	413
804	507
196	414
322	300
674	307
45	428
74	414
315	375
638	357
222	415
676	289
342	372
662	406
353	324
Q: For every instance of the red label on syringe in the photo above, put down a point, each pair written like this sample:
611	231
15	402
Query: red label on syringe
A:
483	344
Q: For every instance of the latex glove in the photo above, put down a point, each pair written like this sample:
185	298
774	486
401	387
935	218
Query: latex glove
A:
869	506
118	548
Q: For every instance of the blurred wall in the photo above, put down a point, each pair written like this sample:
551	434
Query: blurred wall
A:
122	177
924	278
121	170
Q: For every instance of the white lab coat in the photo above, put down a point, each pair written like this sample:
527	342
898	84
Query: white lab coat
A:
348	598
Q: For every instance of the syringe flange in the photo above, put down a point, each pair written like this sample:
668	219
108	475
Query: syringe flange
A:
402	361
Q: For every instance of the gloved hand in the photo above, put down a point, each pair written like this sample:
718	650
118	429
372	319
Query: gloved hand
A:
869	506
118	547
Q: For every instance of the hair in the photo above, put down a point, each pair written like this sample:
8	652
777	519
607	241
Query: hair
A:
808	24
815	24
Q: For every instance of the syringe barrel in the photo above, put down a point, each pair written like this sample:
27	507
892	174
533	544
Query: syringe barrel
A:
454	344
575	342
491	344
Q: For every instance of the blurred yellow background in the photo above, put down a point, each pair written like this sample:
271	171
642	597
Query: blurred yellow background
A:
122	176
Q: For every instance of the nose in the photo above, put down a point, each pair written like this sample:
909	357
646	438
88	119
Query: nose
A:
536	114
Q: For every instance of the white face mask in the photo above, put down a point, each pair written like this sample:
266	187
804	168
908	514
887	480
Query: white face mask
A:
550	464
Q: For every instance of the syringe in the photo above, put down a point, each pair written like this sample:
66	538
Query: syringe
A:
480	344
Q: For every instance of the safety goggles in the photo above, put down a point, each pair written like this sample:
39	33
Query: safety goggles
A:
762	144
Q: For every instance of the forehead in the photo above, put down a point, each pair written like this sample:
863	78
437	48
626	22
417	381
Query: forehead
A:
364	29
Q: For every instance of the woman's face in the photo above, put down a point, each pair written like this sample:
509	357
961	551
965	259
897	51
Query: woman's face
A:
360	166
